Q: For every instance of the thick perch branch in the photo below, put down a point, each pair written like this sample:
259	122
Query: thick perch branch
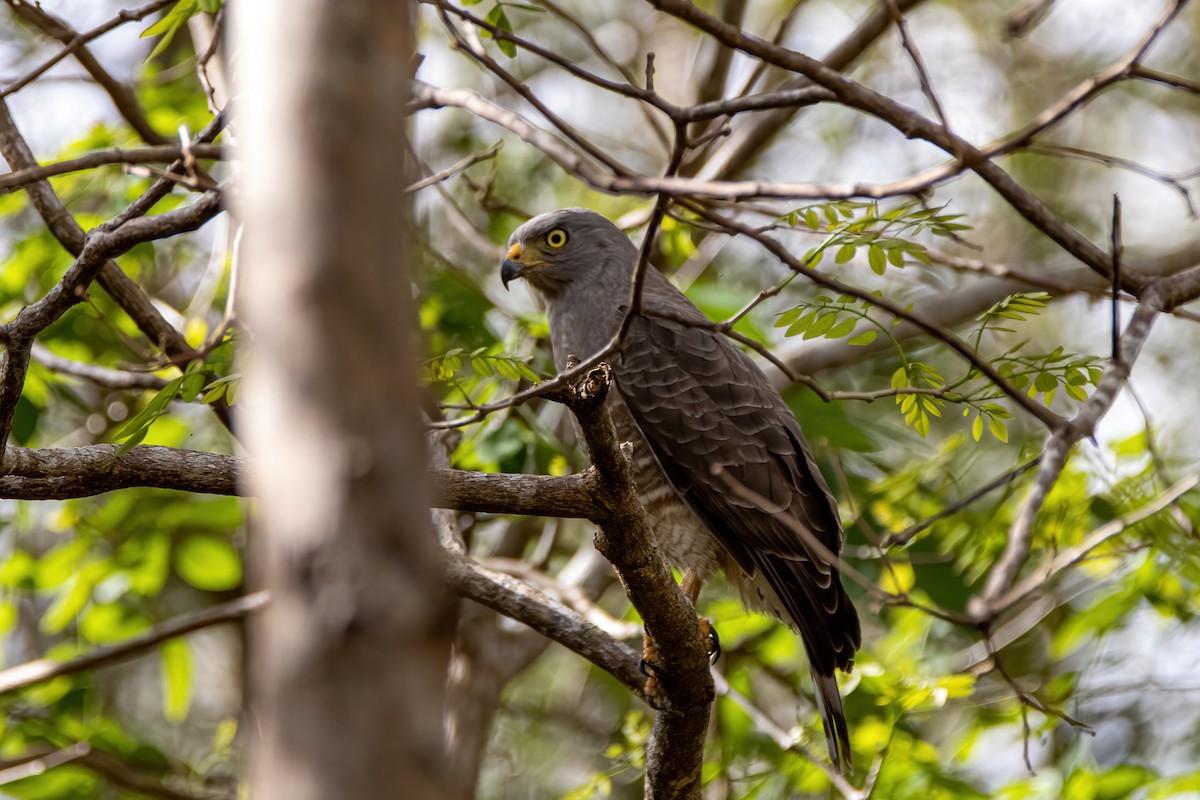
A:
528	495
676	749
61	474
518	600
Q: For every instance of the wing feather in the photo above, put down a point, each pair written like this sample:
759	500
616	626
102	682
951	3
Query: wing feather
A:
700	402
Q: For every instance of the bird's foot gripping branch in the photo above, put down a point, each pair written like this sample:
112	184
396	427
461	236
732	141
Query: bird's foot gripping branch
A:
684	681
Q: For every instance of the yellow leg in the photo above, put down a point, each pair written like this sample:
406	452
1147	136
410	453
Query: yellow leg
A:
691	585
649	667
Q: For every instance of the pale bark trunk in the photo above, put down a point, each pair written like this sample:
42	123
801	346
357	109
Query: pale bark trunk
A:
350	659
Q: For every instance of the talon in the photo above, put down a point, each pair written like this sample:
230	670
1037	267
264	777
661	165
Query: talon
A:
649	668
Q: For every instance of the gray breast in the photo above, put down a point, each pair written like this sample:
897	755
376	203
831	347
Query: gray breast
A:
684	540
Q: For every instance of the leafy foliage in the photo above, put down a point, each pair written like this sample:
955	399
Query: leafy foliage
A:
931	715
852	226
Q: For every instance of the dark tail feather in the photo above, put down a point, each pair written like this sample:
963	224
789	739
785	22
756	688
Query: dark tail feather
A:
837	734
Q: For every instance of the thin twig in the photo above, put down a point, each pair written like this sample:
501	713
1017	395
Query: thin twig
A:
456	168
163	153
80	39
906	535
34	672
914	55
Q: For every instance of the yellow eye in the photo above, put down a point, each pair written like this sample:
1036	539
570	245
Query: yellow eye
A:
556	238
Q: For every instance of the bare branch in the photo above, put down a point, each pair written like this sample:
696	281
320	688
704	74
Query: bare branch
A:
456	168
530	495
906	535
1037	410
1138	71
1174	182
122	96
984	606
101	376
42	762
164	153
100	245
914	125
1026	16
32	672
750	139
914	55
61	474
63	226
518	600
1038	579
481	56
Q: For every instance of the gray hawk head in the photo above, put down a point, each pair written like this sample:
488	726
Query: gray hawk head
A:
570	248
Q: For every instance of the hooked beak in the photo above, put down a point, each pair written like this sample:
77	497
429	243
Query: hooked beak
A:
513	266
509	271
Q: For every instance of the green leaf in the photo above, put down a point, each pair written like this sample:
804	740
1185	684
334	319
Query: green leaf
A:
214	394
845	253
132	441
499	19
877	259
866	337
977	427
63	611
921	425
811	220
176	661
843	328
155	407
482	368
1076	392
821	326
192	384
1121	781
208	563
108	622
786	318
507	370
998	429
151	558
170	24
801	325
899	378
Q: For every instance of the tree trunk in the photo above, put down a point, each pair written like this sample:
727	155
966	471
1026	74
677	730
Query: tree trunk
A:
351	657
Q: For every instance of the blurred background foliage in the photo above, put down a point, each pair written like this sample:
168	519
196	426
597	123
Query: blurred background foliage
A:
1112	643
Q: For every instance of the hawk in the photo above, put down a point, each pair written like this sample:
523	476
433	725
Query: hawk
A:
704	422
